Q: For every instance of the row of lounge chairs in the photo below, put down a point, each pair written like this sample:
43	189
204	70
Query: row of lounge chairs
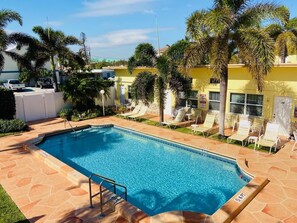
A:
138	112
269	139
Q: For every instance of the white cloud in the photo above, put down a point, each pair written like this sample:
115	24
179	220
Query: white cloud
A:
149	12
9	31
99	8
122	37
53	23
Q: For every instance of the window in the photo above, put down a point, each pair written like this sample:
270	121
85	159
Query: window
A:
129	92
214	101
214	81
192	100
247	104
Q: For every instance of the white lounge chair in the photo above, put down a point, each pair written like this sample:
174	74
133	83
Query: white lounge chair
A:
141	112
179	118
270	138
134	112
206	126
242	133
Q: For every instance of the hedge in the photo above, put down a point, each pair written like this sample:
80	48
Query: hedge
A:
7	104
14	125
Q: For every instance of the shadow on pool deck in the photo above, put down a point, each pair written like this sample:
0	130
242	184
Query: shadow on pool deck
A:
23	175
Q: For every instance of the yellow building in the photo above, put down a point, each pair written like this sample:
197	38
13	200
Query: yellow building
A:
277	101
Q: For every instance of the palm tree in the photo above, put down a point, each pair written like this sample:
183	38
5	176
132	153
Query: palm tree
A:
285	35
6	16
81	90
148	86
51	44
227	28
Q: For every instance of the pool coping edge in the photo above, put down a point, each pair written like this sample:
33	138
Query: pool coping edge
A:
134	214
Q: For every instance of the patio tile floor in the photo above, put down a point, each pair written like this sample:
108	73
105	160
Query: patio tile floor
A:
45	195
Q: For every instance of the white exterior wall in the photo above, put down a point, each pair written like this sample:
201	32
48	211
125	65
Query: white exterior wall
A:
10	69
36	106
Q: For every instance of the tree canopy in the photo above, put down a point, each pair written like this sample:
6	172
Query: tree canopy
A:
7	16
285	35
228	28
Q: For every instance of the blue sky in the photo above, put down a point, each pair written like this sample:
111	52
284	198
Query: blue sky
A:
113	27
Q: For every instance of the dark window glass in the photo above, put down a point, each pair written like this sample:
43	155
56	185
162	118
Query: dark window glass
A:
214	101
237	98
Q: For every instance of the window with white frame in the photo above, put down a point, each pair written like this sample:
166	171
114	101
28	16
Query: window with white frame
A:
192	100
214	101
247	104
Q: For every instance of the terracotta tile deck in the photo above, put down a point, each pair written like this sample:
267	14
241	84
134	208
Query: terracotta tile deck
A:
45	195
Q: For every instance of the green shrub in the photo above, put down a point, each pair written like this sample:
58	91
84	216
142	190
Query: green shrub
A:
14	125
66	113
7	104
76	115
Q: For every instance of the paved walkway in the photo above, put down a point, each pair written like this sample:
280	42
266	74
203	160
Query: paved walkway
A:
44	195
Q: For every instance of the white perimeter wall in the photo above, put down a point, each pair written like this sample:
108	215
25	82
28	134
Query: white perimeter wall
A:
36	106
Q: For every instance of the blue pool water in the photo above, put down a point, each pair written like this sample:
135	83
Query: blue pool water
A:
160	176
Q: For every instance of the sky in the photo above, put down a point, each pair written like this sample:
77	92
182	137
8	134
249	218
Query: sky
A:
113	27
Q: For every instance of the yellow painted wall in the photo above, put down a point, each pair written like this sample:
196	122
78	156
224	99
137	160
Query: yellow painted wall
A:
281	81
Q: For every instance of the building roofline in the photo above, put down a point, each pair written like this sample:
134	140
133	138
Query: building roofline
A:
208	66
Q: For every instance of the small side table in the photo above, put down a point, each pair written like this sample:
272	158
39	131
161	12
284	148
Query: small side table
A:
253	139
189	117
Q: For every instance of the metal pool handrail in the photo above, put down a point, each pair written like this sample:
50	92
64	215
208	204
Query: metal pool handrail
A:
102	189
66	121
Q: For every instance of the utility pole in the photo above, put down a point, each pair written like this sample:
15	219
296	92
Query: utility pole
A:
158	37
83	38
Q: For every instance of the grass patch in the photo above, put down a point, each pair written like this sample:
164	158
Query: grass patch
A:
183	130
149	122
10	133
9	211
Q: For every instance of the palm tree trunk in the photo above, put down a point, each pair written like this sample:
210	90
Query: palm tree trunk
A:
223	98
284	54
54	74
161	111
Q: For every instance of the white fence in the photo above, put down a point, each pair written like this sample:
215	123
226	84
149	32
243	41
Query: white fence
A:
42	105
36	106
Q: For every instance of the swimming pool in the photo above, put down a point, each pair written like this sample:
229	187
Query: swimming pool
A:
160	175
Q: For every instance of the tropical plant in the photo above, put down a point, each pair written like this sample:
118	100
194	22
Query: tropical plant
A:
50	44
144	55
228	28
284	34
6	16
81	90
142	87
7	104
148	86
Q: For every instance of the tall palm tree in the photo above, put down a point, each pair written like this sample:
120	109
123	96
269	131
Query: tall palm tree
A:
51	44
285	35
6	16
232	26
168	77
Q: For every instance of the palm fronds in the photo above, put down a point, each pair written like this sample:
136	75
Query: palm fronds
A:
7	16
